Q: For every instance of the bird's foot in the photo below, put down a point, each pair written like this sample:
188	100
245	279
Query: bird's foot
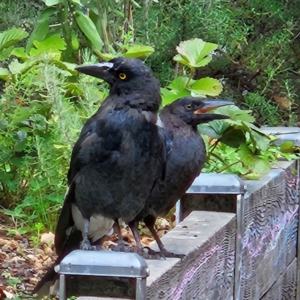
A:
148	253
121	248
168	254
86	245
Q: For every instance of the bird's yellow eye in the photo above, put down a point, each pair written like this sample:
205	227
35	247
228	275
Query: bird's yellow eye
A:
122	76
188	107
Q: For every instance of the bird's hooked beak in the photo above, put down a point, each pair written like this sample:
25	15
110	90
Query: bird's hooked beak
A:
98	70
209	105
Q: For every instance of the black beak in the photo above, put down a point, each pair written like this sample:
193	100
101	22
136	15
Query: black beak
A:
98	70
201	115
212	104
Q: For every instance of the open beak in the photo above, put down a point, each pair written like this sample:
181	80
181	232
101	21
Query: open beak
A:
98	70
212	104
202	115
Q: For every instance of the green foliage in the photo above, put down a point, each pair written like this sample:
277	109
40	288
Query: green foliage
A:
21	64
239	147
258	48
192	54
40	122
89	29
10	37
127	50
263	109
41	112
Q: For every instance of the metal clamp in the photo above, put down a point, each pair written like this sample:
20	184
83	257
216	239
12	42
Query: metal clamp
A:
213	183
103	264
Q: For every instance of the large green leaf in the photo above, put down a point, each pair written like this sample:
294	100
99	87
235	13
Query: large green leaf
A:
233	137
214	129
194	53
176	89
89	29
179	83
52	44
138	51
206	86
51	2
20	53
69	67
254	163
15	67
77	2
11	37
168	96
75	42
5	53
259	139
107	56
4	73
235	113
41	27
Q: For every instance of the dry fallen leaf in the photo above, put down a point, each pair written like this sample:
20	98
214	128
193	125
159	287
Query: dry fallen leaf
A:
47	238
282	101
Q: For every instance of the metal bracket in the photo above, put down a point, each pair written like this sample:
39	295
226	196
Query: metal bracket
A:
104	264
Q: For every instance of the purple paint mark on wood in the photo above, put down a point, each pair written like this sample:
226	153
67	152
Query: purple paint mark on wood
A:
258	242
202	259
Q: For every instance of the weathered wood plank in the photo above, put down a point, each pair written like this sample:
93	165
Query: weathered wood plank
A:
207	272
285	286
270	231
208	202
269	226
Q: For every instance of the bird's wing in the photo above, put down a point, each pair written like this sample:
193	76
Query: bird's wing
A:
65	221
87	130
98	139
96	143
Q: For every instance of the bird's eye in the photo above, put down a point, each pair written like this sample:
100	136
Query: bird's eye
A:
122	76
188	107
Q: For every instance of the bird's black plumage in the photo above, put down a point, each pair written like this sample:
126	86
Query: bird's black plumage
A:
185	159
117	159
120	153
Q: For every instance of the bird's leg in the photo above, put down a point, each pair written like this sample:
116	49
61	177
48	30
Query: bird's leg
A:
85	243
150	223
149	254
134	228
121	246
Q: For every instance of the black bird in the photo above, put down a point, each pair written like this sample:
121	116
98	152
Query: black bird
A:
119	156
120	153
185	159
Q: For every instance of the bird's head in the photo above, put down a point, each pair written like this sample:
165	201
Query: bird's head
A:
128	76
194	111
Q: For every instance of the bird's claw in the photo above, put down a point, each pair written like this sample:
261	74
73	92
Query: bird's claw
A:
86	245
121	248
168	254
149	253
